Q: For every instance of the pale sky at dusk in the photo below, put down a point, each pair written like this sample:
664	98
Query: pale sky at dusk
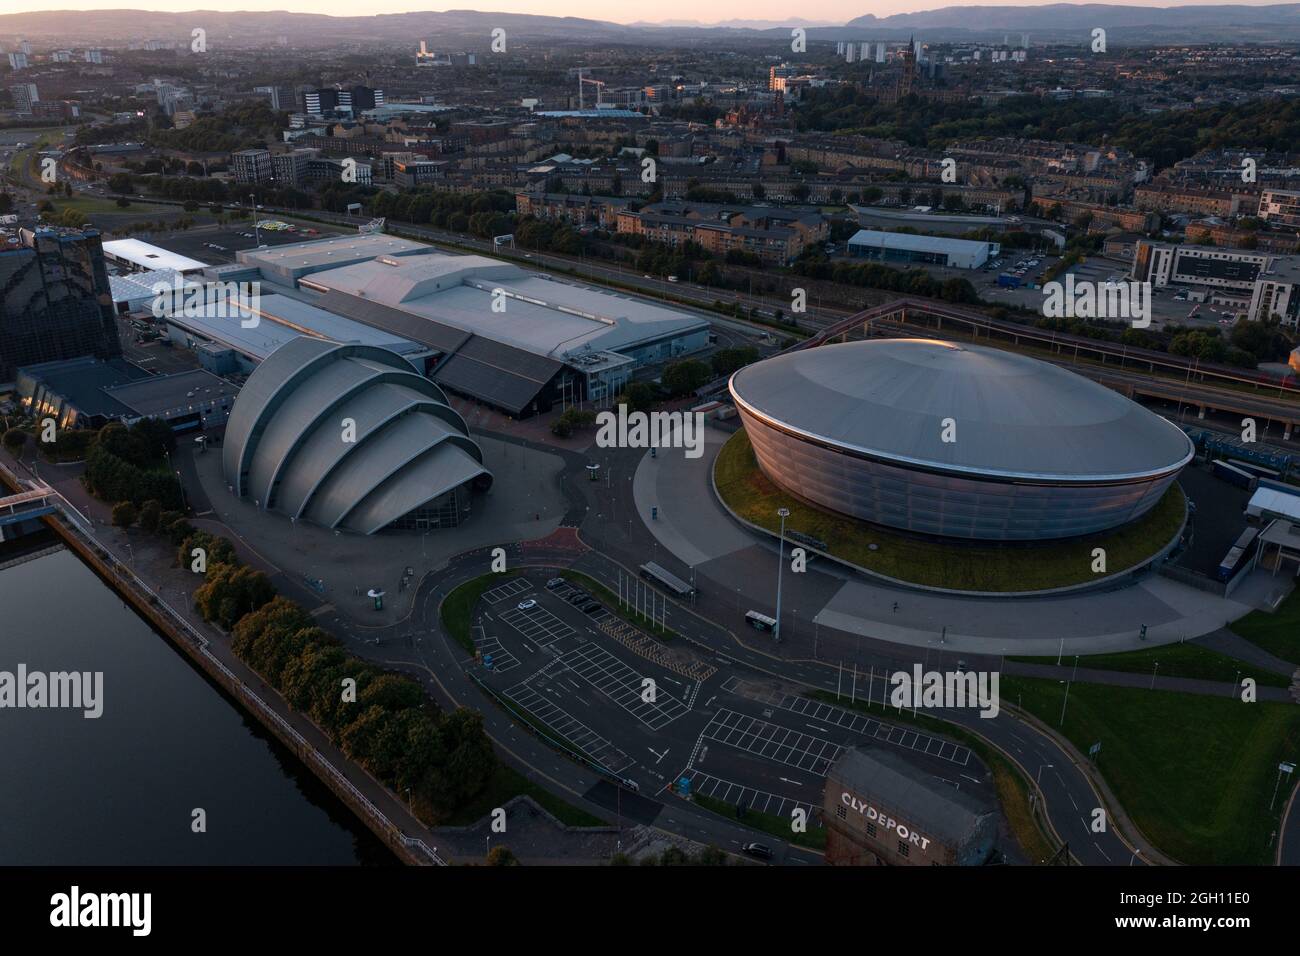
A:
627	11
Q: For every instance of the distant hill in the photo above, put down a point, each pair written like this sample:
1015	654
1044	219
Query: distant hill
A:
78	27
470	29
1225	20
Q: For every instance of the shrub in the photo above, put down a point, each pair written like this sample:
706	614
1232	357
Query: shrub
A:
124	514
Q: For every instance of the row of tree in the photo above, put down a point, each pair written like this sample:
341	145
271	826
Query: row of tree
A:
873	275
381	720
125	464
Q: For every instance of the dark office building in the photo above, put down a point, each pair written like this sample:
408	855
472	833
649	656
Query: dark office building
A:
330	99
55	300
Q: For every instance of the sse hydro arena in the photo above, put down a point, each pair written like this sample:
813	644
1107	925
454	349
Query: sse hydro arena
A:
1036	452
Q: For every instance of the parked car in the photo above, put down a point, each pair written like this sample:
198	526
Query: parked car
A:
554	583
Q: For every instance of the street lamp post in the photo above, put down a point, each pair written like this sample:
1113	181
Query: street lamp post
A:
780	567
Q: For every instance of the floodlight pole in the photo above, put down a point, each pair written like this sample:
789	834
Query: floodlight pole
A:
780	567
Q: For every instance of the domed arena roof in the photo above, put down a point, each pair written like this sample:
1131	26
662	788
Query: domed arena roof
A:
1012	417
287	441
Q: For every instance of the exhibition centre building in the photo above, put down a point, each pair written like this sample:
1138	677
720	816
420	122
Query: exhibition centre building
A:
955	440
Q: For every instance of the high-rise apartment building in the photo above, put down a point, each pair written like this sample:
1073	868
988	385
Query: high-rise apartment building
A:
251	165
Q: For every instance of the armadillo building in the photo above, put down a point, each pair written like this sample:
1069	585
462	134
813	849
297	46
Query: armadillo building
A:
953	440
350	437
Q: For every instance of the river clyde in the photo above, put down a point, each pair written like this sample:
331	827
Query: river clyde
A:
122	788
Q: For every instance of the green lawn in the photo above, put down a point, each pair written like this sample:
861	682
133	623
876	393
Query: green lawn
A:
1195	773
507	783
1279	632
749	493
610	600
814	837
1010	783
458	607
1175	660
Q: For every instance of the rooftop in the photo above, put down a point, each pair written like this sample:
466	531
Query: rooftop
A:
283	319
940	809
1012	416
148	256
914	243
543	316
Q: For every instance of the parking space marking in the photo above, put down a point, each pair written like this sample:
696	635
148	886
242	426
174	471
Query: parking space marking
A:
537	624
502	659
509	589
855	723
570	728
739	795
773	742
622	685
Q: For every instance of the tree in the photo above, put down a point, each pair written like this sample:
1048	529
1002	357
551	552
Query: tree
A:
726	361
684	377
501	855
14	439
150	513
124	514
639	397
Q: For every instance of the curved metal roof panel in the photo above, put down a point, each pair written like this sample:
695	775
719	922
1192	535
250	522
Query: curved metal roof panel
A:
370	465
321	450
444	468
1012	416
285	448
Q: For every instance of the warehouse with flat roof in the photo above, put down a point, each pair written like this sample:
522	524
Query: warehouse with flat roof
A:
510	338
88	392
904	247
136	255
228	345
286	264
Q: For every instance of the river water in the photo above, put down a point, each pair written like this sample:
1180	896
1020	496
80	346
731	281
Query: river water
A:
122	789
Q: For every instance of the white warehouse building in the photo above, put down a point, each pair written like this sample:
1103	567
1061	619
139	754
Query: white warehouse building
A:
907	248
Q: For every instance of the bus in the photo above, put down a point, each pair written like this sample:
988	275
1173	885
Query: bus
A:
760	622
1237	554
667	580
1231	473
1259	471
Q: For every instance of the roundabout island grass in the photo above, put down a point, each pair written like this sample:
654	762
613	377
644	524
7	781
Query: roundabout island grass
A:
942	563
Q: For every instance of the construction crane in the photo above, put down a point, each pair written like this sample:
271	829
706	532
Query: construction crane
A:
599	84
